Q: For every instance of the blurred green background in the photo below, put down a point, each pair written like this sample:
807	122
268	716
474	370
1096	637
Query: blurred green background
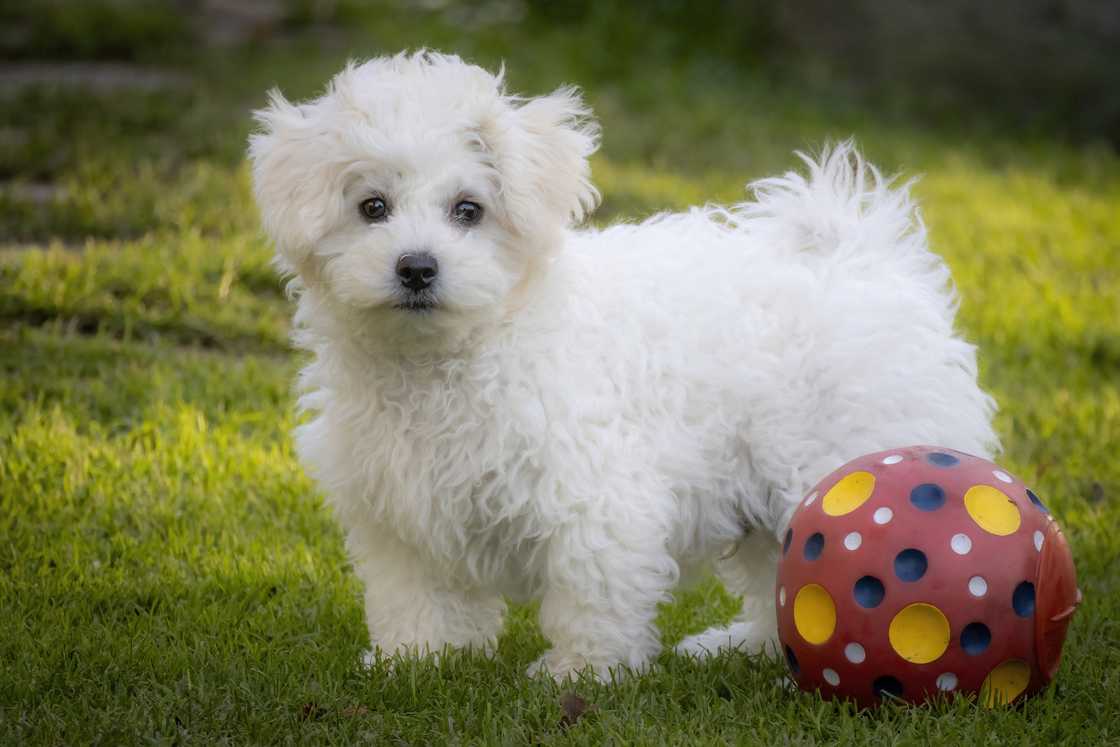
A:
167	572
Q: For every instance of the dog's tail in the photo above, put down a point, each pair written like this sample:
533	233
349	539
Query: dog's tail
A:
843	206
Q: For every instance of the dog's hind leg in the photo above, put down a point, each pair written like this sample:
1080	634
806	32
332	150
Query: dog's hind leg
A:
750	571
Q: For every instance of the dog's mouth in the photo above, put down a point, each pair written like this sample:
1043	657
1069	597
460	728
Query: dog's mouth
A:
418	302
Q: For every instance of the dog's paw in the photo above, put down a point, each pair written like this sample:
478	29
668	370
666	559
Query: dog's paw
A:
563	667
740	636
568	667
559	666
391	661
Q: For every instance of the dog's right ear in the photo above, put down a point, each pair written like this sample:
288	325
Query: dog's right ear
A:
294	181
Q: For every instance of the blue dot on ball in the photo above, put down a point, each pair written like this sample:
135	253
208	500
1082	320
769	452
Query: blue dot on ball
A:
868	592
814	546
1022	599
910	564
975	638
787	541
927	497
941	459
887	686
792	661
1037	501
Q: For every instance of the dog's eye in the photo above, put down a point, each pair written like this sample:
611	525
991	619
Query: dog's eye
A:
466	213
375	209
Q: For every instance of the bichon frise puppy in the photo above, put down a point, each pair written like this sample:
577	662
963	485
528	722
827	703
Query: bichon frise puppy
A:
505	406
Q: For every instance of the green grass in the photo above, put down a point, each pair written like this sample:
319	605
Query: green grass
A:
169	575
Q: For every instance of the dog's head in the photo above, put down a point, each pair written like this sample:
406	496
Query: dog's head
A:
417	188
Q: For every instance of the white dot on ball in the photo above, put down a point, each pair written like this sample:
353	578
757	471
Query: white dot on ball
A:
1038	540
810	499
854	653
831	677
977	586
1002	476
882	515
961	544
947	681
853	540
893	459
782	596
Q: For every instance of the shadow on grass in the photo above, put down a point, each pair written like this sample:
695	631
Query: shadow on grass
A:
182	330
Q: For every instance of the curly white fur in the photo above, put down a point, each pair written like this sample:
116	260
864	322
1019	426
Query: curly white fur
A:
583	415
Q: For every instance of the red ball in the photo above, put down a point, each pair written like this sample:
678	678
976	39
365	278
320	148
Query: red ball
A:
923	571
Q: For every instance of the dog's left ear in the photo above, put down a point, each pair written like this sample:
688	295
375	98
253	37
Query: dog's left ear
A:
540	151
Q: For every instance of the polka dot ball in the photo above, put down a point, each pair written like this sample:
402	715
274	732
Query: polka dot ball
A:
923	571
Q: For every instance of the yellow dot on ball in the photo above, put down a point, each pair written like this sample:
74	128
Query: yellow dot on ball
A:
992	510
849	494
1005	683
919	633
814	614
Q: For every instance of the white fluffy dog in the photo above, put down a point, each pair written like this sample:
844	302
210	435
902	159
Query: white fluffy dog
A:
508	407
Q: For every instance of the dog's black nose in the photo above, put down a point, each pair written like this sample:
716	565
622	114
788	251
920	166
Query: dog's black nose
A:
417	271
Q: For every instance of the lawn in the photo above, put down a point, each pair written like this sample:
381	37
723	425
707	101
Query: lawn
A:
169	575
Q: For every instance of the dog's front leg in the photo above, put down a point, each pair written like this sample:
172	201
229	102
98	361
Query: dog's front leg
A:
411	608
604	579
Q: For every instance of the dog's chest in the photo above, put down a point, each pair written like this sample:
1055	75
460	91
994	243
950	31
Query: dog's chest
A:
447	463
